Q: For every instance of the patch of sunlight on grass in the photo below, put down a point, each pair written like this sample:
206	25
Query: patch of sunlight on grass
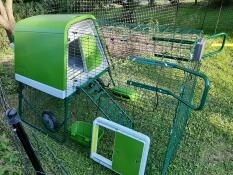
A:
222	124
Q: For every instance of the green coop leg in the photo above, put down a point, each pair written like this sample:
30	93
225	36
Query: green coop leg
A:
20	98
66	115
110	75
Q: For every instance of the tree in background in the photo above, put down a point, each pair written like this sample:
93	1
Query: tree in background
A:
151	2
129	10
218	3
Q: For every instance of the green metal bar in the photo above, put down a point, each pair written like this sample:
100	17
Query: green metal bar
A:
61	140
93	89
180	121
181	118
110	75
165	29
66	116
110	97
93	79
212	37
173	40
167	92
20	96
95	104
98	96
113	118
104	103
122	119
171	57
110	108
130	125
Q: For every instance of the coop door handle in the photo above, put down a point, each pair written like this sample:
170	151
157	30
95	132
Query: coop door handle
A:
168	92
212	37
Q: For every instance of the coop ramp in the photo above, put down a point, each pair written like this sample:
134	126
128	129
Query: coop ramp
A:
106	104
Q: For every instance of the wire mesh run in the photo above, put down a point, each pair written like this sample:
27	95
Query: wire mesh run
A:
130	65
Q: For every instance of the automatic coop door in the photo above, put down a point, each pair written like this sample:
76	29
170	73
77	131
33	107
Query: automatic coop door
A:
130	148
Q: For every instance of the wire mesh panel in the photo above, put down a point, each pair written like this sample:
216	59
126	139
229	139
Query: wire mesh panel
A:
128	31
86	57
126	61
15	158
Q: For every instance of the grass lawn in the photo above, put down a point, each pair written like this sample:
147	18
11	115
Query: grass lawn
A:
207	146
192	16
208	143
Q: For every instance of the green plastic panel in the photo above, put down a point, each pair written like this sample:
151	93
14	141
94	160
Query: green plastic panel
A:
81	132
173	40
92	55
50	23
124	93
40	48
40	57
127	155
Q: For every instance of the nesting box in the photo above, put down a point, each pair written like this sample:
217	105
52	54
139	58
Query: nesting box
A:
58	53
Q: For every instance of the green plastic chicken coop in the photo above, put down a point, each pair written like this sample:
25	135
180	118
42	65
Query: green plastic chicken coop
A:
61	55
57	53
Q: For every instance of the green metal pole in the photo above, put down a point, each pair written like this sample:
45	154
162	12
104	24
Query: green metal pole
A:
66	115
110	75
20	98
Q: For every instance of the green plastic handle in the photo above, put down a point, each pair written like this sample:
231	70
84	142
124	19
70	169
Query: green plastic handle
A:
224	35
168	92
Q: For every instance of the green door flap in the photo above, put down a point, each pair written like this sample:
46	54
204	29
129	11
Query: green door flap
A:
127	155
92	56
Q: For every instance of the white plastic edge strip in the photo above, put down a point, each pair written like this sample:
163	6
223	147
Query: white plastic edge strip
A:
40	86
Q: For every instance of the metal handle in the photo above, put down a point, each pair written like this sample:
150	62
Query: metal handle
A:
168	92
224	35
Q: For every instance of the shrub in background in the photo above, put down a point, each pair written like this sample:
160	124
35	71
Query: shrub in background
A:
217	3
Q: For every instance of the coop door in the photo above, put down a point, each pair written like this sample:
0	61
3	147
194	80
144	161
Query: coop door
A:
75	61
86	56
91	54
130	149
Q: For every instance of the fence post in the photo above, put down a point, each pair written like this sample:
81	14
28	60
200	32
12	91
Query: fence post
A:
15	122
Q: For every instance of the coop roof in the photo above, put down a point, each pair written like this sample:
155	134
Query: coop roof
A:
50	23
